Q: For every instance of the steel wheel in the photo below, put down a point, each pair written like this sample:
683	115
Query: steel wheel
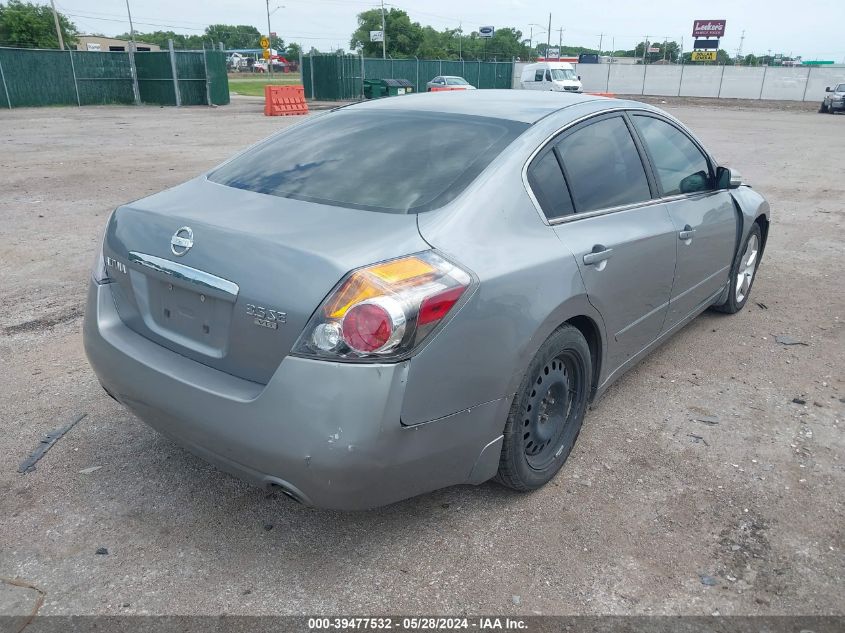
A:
747	267
548	425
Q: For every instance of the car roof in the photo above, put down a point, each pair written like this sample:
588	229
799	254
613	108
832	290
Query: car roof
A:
526	106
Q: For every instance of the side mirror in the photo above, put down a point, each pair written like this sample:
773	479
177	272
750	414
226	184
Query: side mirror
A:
727	178
579	77
828	89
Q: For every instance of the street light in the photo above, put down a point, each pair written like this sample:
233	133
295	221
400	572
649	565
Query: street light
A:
269	33
531	36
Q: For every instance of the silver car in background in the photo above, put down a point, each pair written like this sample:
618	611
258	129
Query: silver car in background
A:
449	82
356	320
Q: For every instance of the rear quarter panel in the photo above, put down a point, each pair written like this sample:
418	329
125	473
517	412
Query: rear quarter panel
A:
528	284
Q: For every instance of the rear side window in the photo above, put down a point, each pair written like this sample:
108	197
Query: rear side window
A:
389	161
549	187
680	165
538	75
603	166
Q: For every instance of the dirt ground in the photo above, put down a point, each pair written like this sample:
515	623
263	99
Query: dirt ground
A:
709	479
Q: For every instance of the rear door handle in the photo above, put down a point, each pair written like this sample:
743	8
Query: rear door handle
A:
687	233
598	256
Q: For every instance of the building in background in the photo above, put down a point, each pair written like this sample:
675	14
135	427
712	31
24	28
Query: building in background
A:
100	43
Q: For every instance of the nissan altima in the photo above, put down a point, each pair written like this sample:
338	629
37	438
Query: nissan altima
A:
407	294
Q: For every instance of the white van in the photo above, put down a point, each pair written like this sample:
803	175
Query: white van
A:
555	76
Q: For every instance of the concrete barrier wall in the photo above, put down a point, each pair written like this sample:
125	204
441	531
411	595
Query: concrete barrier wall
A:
805	83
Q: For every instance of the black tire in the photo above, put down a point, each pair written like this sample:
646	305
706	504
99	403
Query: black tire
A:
822	108
547	411
735	303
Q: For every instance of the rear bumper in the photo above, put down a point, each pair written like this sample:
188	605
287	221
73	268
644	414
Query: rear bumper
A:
328	433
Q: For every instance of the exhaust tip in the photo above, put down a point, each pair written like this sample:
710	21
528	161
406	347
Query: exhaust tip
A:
277	485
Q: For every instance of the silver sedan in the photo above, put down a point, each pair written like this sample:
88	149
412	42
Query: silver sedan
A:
449	82
354	320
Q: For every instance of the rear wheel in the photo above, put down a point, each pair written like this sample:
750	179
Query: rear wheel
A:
743	272
547	412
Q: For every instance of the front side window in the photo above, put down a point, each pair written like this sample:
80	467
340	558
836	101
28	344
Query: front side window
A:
680	165
399	161
603	166
559	74
549	187
548	76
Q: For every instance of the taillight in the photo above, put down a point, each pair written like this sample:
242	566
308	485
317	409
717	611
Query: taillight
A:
384	311
99	272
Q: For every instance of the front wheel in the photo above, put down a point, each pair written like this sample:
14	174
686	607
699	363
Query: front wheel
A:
743	272
822	108
547	412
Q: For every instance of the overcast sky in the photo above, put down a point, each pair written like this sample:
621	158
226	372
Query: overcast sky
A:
812	28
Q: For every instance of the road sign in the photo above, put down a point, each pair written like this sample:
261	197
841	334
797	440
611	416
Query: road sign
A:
486	31
703	56
265	43
266	53
376	36
708	28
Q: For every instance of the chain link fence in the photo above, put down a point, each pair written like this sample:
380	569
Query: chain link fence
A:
34	77
340	77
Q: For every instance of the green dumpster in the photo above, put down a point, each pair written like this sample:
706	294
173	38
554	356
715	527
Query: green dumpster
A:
374	89
394	87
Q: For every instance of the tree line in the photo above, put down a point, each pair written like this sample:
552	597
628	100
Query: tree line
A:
29	25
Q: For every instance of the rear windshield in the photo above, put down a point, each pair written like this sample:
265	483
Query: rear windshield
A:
390	161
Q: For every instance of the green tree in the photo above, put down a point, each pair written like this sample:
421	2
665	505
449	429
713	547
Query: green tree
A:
293	51
402	37
28	25
669	51
236	36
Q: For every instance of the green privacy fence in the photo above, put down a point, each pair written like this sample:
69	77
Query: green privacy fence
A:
337	77
33	77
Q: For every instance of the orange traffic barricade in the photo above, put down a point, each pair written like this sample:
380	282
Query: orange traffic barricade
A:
284	100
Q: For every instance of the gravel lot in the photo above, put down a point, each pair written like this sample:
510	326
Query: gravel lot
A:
656	511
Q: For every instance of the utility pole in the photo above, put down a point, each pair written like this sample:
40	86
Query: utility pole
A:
58	30
559	40
549	36
270	41
131	28
739	48
383	34
460	40
601	37
645	48
530	43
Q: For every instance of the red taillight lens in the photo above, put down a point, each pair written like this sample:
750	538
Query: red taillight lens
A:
385	310
437	306
366	327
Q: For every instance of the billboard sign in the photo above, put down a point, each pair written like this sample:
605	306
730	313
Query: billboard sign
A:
706	44
653	49
376	36
553	53
708	28
703	56
486	31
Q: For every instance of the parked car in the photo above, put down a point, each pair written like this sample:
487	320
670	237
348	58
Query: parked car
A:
554	76
353	337
448	81
834	100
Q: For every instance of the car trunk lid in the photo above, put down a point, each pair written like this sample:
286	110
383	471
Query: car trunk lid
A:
238	297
